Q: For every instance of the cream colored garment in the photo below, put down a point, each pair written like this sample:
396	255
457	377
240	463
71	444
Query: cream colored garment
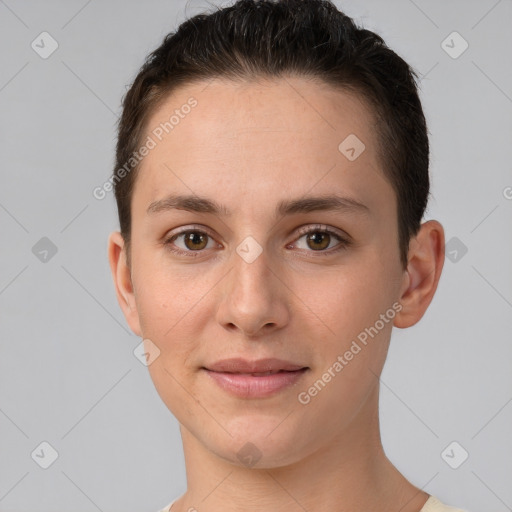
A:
431	505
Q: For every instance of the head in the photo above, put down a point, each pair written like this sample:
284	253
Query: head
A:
259	113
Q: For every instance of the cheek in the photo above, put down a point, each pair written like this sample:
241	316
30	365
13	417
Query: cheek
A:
169	319
349	299
166	295
353	329
351	361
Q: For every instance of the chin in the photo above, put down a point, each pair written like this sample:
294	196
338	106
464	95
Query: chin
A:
261	441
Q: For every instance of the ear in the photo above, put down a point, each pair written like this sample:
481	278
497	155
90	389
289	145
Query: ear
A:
425	263
122	279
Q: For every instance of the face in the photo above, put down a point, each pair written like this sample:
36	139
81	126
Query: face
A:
277	271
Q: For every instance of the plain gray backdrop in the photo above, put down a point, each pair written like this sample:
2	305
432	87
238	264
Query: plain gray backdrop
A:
68	376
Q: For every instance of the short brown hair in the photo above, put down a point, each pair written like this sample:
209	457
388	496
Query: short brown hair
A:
271	38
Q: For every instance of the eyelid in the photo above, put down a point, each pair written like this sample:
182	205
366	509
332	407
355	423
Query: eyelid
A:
191	227
308	228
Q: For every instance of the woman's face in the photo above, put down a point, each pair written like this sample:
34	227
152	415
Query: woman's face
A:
246	282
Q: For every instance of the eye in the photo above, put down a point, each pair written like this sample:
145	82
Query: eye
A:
318	238
193	241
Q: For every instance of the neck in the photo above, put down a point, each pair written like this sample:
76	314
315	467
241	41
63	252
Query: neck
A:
348	473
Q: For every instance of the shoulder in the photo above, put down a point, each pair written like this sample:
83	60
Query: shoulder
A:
167	508
433	504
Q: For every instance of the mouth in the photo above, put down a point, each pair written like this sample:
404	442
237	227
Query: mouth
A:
261	374
261	366
245	379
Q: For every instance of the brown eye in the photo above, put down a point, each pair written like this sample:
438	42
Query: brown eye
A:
318	240
191	242
195	240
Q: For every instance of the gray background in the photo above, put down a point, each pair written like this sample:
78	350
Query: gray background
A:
68	375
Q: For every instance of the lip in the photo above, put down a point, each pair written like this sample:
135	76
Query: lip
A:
240	365
234	376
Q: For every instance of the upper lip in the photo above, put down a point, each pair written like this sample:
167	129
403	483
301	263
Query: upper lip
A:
239	365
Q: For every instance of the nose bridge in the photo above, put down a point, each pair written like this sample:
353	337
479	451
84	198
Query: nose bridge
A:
252	275
252	298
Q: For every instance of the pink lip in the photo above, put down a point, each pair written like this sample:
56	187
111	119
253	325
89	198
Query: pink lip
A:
234	376
245	385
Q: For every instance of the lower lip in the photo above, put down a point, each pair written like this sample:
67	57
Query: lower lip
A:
249	386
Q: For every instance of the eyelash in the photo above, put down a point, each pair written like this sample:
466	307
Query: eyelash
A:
343	242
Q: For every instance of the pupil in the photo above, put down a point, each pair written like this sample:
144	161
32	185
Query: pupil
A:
195	238
323	237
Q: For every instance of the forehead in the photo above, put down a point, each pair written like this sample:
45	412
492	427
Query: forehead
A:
224	139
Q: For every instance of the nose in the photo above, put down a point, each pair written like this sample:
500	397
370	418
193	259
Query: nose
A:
255	299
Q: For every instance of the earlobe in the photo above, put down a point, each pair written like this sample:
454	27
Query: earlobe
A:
425	263
122	280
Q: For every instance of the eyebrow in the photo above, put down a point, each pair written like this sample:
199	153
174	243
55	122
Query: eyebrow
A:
194	203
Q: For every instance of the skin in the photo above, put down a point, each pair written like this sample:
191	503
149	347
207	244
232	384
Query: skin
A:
248	146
